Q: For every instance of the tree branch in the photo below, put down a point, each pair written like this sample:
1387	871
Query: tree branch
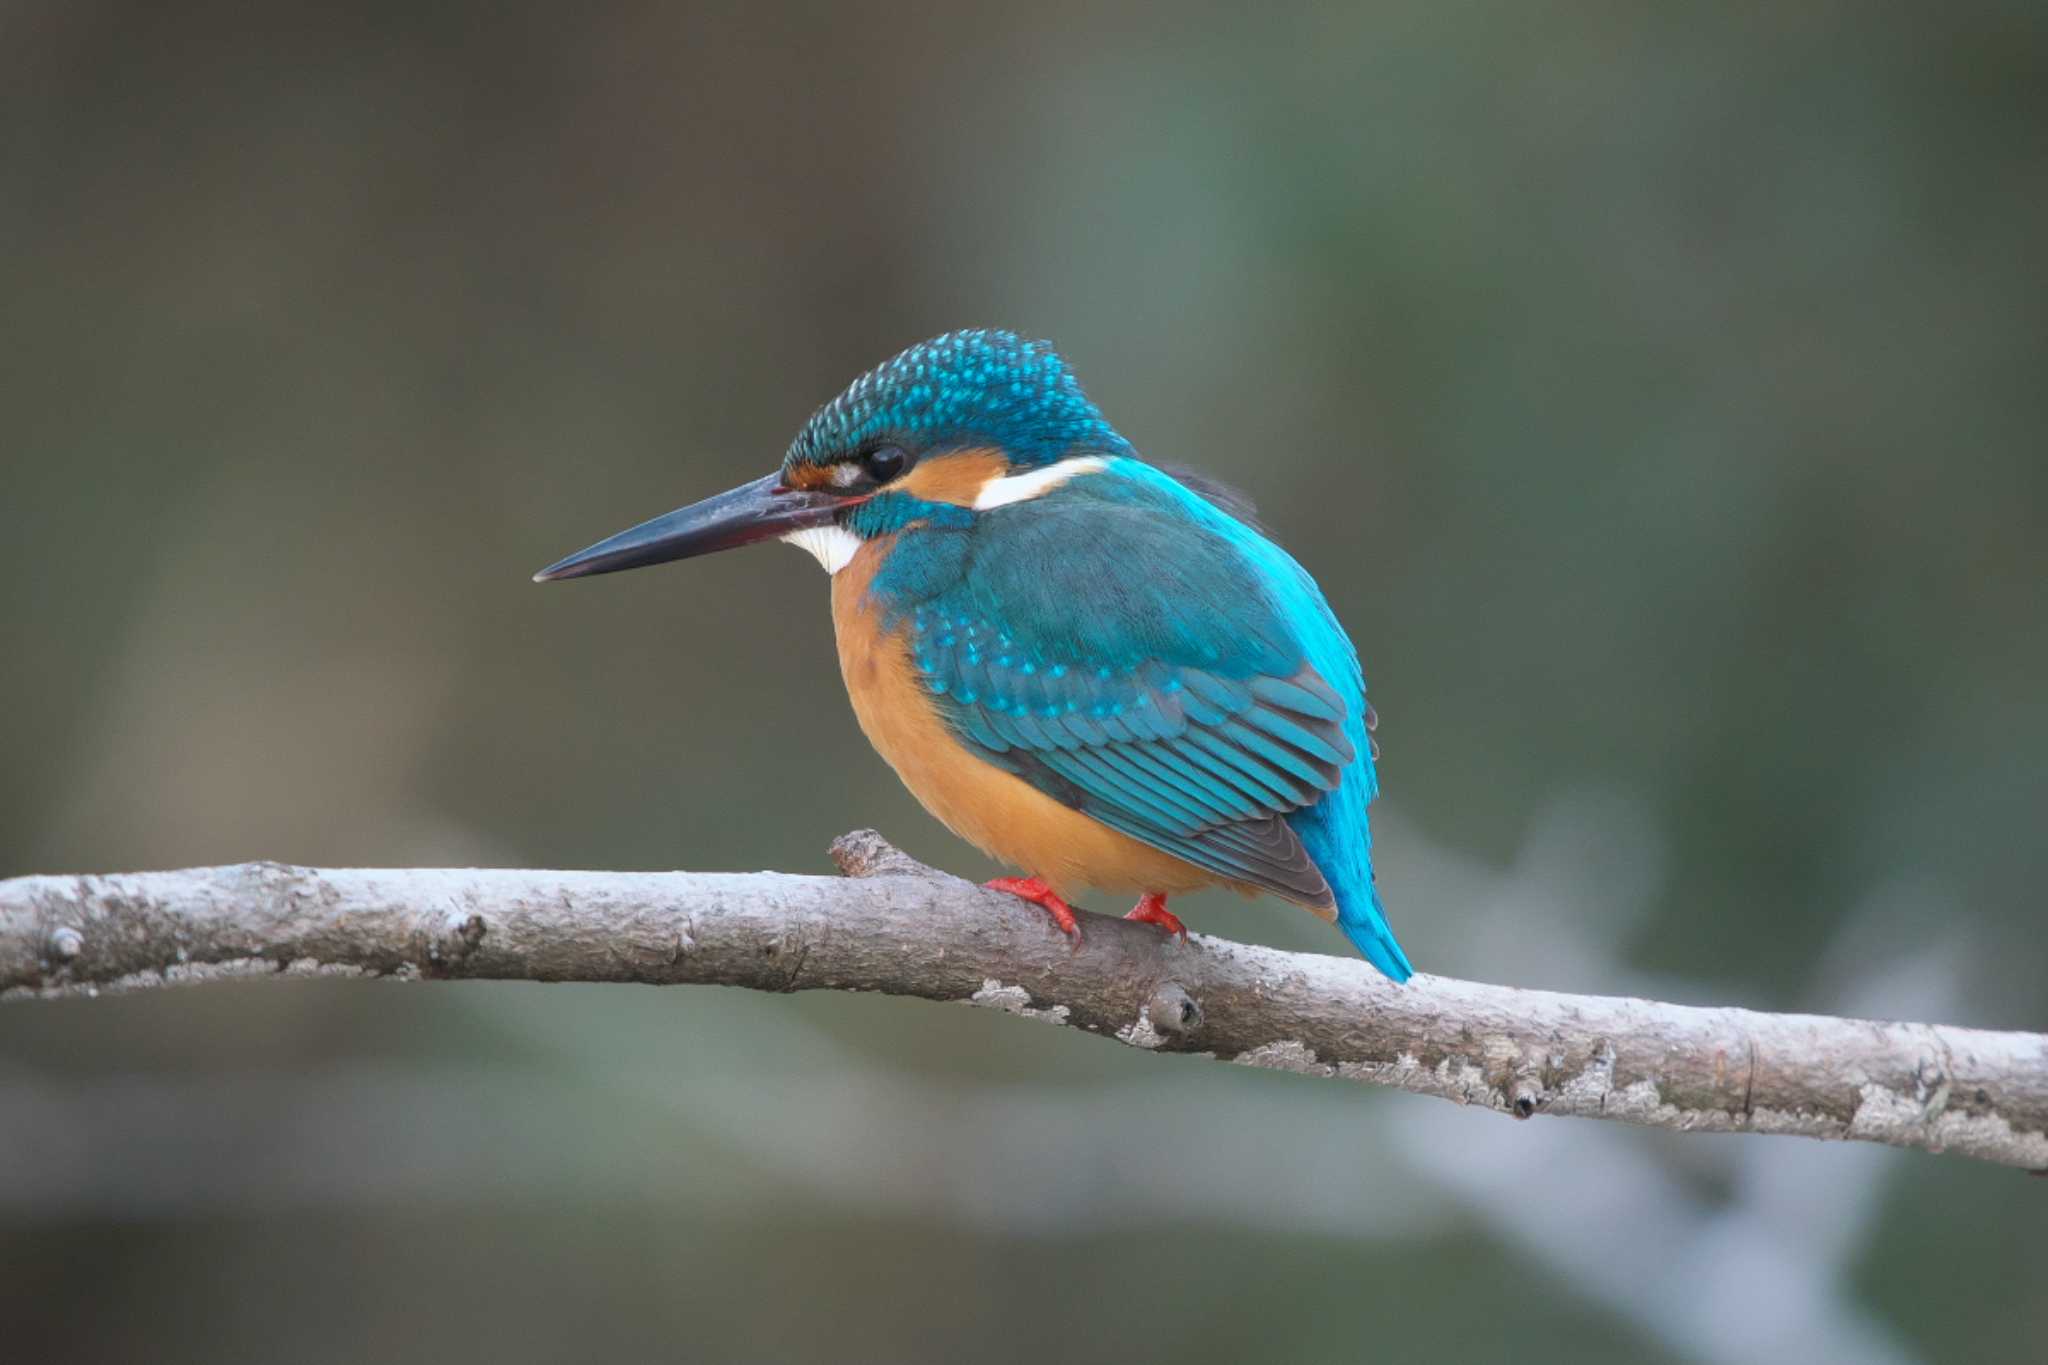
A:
896	926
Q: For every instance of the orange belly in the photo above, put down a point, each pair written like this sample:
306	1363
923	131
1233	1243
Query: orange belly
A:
999	813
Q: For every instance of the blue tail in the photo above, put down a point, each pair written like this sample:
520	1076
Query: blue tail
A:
1374	937
1335	833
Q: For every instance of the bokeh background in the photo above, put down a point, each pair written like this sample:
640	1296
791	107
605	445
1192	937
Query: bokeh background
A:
1656	391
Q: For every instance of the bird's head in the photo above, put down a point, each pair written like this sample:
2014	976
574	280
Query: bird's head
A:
950	429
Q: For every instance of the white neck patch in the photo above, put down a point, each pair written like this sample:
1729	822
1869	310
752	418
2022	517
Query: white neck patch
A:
1001	492
831	546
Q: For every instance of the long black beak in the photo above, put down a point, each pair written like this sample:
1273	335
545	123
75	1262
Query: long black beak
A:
761	510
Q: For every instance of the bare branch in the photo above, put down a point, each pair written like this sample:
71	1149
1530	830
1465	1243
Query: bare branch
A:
896	926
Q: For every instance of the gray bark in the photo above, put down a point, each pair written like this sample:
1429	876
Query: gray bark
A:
896	926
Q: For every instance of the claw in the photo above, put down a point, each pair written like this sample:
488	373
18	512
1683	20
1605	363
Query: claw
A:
1151	909
1044	897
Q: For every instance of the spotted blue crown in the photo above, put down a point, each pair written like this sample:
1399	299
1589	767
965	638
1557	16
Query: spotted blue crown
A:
976	387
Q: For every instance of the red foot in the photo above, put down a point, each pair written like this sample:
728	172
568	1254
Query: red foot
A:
1151	909
1043	896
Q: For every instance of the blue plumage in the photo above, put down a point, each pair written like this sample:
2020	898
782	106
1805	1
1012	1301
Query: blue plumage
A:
1126	642
1132	650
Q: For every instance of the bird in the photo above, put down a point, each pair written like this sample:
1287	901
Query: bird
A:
1097	669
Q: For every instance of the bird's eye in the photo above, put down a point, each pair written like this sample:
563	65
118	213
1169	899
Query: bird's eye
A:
884	463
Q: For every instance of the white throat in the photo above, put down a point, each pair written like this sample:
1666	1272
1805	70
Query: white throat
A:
831	546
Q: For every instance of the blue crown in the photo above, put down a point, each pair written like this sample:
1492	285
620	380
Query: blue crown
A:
973	387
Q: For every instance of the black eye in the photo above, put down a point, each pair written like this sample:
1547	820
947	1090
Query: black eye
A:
884	463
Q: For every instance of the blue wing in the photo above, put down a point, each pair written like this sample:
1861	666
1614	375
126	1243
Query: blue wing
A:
1190	760
1129	659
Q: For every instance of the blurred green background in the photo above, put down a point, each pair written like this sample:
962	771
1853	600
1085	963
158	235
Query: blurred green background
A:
1656	391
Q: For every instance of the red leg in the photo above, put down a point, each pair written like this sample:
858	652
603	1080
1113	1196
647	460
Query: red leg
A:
1043	896
1151	909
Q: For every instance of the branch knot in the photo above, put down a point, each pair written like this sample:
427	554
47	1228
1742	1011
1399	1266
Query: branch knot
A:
865	853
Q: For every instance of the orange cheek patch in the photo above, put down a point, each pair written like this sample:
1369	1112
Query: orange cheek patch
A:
956	477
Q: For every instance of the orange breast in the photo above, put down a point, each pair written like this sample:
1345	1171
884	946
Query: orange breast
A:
998	812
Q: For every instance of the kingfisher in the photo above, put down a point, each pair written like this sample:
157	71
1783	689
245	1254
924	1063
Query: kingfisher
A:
1098	671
